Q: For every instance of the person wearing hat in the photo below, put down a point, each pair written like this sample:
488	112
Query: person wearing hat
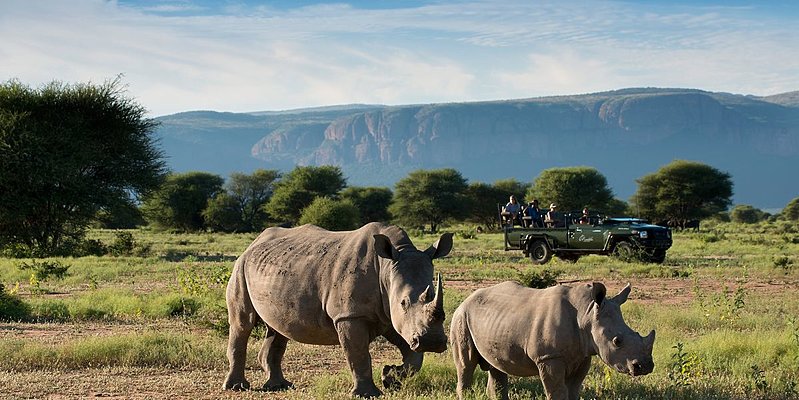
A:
553	218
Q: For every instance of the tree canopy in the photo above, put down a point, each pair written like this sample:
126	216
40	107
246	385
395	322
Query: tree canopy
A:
67	152
429	197
572	188
300	187
371	202
334	215
240	207
179	203
683	190
791	210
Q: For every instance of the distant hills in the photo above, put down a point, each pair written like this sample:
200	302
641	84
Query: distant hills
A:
625	134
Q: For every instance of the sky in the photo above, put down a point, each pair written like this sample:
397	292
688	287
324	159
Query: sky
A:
241	56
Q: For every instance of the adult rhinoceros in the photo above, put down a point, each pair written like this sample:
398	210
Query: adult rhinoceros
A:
320	287
552	333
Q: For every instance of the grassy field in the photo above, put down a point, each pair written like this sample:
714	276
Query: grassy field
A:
153	324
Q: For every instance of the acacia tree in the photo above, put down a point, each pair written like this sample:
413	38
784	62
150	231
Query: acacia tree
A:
791	210
371	202
300	187
240	207
179	203
683	190
572	188
482	200
67	152
429	197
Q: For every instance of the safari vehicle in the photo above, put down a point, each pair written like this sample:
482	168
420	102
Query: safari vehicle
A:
626	238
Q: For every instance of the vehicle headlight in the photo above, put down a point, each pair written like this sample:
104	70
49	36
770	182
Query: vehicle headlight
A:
643	234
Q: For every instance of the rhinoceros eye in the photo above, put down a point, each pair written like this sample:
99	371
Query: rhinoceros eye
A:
617	341
405	303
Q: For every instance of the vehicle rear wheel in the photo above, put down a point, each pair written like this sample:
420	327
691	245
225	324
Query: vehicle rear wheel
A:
624	251
539	251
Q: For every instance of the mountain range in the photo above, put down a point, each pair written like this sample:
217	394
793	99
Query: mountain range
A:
625	134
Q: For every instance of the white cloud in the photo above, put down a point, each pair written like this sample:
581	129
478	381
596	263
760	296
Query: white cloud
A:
257	58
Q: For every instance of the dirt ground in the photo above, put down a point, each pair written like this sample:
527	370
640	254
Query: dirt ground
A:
303	363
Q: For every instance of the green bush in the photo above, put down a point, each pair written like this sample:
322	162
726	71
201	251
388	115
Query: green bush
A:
540	280
45	269
12	308
334	215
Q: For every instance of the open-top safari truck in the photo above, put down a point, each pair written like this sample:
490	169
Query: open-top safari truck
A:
627	238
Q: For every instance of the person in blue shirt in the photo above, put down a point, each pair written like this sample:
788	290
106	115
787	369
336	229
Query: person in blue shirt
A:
534	214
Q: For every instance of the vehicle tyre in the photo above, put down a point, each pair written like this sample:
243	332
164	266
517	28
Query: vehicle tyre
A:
624	251
539	251
658	256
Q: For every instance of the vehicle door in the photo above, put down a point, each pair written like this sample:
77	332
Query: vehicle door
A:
586	236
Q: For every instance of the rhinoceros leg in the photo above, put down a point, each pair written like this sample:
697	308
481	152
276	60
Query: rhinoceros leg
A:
271	358
553	376
464	352
497	384
411	362
574	382
354	338
242	318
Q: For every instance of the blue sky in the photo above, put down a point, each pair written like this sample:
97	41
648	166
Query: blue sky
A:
274	55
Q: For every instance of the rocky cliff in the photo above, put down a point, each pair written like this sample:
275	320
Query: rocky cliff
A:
625	134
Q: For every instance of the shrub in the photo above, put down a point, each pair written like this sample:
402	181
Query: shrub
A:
540	280
12	308
746	214
45	269
123	244
334	215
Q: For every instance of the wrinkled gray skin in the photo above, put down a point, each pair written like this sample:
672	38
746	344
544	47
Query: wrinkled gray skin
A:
320	287
511	329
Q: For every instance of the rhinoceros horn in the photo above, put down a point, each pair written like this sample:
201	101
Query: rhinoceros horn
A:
439	299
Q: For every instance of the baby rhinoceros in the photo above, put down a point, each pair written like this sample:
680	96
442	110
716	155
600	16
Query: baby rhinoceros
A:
552	333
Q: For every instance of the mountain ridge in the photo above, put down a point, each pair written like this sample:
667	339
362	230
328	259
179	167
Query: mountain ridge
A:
489	140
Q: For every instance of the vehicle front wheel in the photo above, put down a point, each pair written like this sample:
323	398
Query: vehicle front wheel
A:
624	251
539	251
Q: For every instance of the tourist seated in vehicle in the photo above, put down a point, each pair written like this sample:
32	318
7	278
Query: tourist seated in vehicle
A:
585	219
553	219
510	213
533	217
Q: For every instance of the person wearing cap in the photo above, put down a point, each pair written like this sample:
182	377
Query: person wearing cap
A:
553	218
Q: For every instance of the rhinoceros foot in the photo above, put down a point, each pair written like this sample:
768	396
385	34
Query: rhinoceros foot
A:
236	385
277	385
366	391
393	375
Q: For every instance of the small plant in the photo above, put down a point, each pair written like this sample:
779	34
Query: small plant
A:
758	376
123	244
467	235
684	367
42	271
540	280
783	262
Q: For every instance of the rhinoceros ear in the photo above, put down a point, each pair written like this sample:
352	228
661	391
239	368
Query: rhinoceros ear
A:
384	248
598	293
441	247
622	296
